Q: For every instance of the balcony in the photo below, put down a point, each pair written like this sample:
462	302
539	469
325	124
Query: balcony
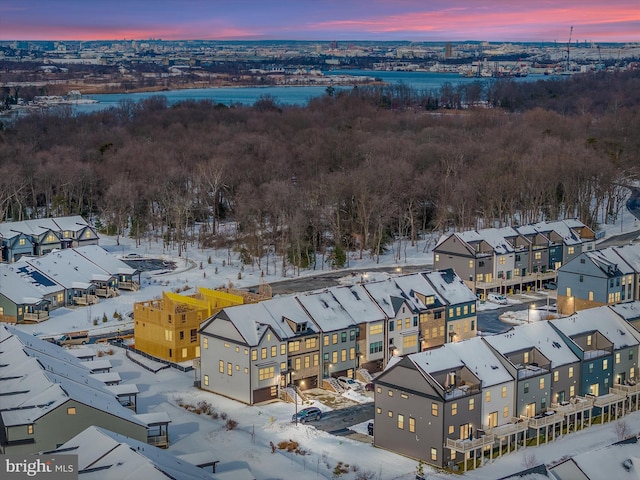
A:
519	280
131	286
86	300
461	390
464	446
107	292
516	425
544	419
573	406
37	316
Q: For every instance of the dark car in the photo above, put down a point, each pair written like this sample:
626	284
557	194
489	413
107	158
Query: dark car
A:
370	428
369	387
307	414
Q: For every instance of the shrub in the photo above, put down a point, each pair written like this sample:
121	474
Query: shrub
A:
104	318
231	424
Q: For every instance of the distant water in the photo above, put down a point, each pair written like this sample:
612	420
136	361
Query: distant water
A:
421	81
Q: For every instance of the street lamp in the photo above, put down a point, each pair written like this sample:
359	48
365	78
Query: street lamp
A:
295	395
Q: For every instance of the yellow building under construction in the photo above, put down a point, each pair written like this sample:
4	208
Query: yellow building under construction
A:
167	328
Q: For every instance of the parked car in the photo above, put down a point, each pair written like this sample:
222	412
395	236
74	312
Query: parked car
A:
348	383
497	298
307	414
370	428
550	285
369	387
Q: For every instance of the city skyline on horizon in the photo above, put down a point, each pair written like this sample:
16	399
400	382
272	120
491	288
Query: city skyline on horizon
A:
355	20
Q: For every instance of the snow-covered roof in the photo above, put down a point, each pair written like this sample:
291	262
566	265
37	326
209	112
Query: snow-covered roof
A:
246	319
389	296
72	223
540	335
417	283
34	277
629	311
105	454
602	319
286	307
630	254
495	238
16	289
564	228
472	353
68	266
450	287
608	261
356	301
325	311
41	376
105	260
28	227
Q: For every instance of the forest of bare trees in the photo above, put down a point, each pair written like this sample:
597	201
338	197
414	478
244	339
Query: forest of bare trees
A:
348	172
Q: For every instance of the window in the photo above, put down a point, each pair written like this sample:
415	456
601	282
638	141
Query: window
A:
465	310
487	396
471	264
434	409
399	324
379	389
230	369
457	311
632	373
591	296
334	357
570	372
572	391
325	340
412	424
617	357
375	347
263	353
390	393
556	376
71	410
378	410
591	367
310	342
184	353
526	357
352	353
206	380
283	366
452	429
589	340
266	373
274	350
376	329
307	361
581	278
404	395
568	291
315	359
221	366
537	255
502	260
246	351
505	412
472	403
343	355
254	354
297	363
437	257
451	313
182	337
401	422
193	337
504	392
415	321
390	413
407	323
454	408
334	338
30	429
570	250
352	335
409	341
246	369
605	364
493	419
22	242
205	343
434	454
526	387
295	346
630	354
343	337
283	348
542	383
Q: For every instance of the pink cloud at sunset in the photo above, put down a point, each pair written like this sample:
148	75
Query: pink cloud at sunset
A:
436	20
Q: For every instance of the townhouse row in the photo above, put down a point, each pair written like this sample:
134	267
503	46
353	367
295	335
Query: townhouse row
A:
479	396
33	286
513	258
601	277
43	235
250	352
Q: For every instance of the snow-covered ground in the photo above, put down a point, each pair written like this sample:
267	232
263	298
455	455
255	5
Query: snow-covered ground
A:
259	426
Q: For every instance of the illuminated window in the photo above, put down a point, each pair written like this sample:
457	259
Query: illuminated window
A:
390	414
487	396
30	429
352	353
315	359
263	353
632	372
295	346
434	454
375	329
401	422
283	366
454	408
537	255
502	260
472	403
206	380
334	338
556	376
570	250
605	364
254	354
570	372
504	392
437	257
343	355
230	369
226	345
542	383
452	429
572	391
274	350
310	342
184	353
434	409
378	410
390	393
297	363
221	366
22	242
325	340
205	343
334	357
283	349
409	341
589	340
307	361
71	410
412	424
246	370
526	357
618	357
266	373
505	412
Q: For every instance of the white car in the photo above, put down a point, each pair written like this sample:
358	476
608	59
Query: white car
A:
348	383
497	298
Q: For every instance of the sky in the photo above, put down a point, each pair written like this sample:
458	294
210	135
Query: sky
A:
413	20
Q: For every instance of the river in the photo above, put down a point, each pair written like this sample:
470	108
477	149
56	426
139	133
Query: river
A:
286	95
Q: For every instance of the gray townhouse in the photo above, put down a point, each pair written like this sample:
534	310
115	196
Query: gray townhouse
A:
337	333
20	301
530	368
403	317
242	356
436	405
512	258
630	312
371	335
631	255
595	278
48	396
460	312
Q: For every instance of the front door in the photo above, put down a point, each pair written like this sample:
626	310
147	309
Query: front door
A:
531	410
465	431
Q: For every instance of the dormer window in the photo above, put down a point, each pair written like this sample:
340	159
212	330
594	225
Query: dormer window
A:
301	327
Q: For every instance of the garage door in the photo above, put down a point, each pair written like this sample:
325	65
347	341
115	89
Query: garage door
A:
264	394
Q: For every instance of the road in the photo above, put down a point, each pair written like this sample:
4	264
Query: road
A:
336	422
